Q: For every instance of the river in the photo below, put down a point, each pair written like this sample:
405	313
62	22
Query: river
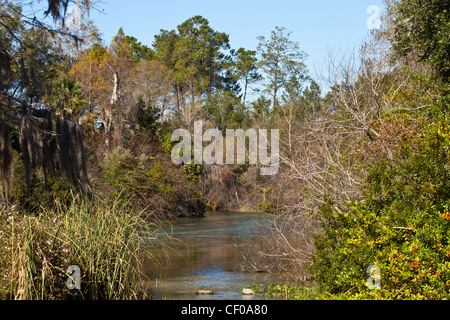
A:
204	255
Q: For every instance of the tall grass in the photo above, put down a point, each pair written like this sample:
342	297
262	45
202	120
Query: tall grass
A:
101	238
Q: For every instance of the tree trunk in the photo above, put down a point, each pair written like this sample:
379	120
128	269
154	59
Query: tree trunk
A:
245	90
275	80
163	109
275	88
108	115
6	161
179	94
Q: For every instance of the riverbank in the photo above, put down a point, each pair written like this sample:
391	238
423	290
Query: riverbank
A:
284	292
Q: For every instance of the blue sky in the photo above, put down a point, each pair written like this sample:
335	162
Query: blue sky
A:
318	25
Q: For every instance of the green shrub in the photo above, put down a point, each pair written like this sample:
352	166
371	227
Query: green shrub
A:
159	178
193	172
165	138
402	226
43	195
122	169
131	174
151	185
147	116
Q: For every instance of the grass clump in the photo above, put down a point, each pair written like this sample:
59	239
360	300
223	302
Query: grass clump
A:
101	238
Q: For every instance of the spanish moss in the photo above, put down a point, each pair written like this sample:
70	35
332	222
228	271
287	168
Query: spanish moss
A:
6	162
72	153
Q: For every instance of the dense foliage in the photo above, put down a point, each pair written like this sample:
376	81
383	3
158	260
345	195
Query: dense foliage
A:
400	224
364	167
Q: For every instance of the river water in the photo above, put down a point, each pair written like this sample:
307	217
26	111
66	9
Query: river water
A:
204	254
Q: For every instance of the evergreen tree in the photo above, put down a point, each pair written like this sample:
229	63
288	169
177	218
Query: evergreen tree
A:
245	69
422	28
281	61
194	55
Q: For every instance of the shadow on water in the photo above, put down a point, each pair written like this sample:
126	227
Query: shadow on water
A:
204	256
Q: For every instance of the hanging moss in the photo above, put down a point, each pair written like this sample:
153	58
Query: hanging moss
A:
40	144
6	162
72	153
5	67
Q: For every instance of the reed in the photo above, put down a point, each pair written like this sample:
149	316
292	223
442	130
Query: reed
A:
101	238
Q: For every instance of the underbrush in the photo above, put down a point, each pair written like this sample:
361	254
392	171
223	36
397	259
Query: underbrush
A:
402	227
152	183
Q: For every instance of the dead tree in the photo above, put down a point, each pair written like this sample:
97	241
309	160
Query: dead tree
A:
108	110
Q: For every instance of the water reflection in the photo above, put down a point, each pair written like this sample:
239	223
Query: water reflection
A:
205	257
